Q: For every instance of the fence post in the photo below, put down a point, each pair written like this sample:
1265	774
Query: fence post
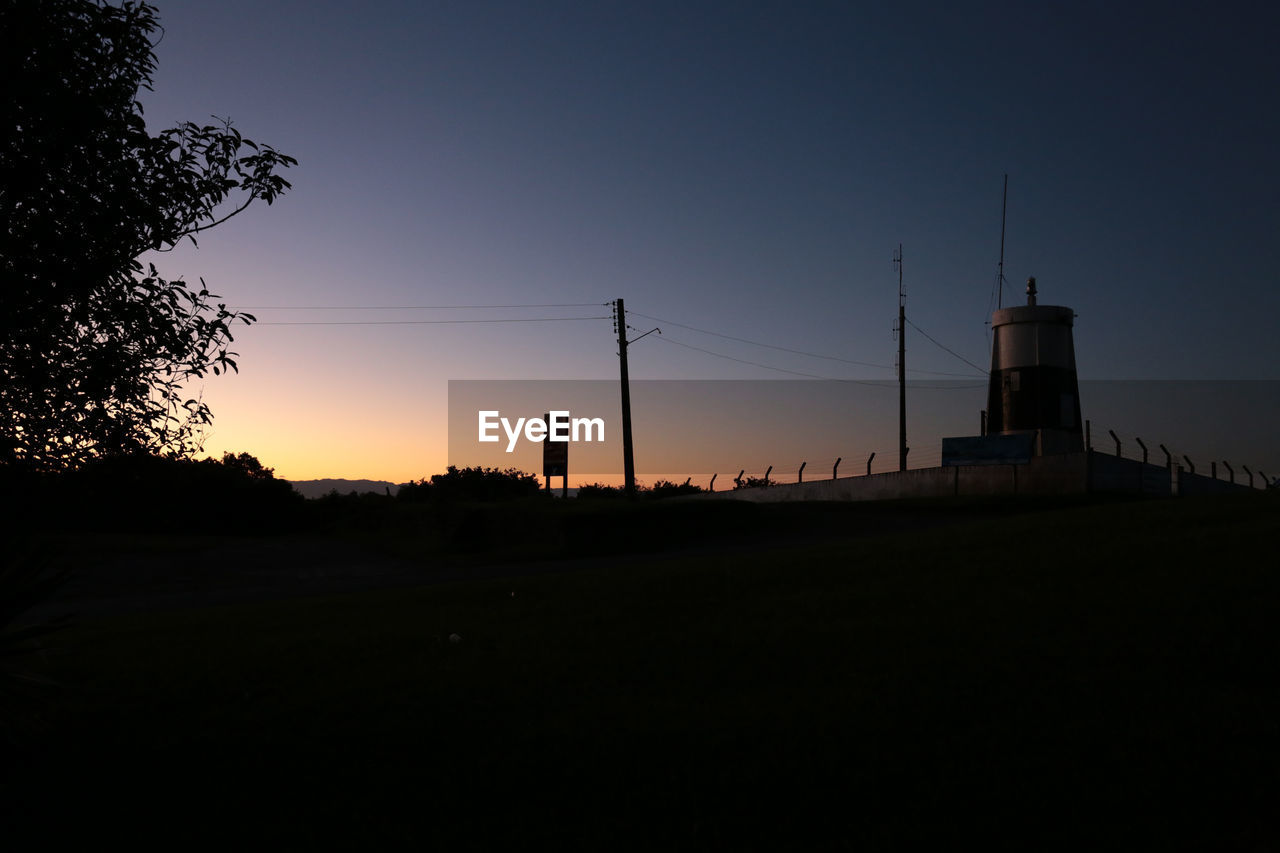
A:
1168	457
737	481
711	487
1230	470
835	468
1190	465
1213	470
1088	439
767	472
1144	449
1116	439
869	458
800	476
1250	473
1266	484
687	480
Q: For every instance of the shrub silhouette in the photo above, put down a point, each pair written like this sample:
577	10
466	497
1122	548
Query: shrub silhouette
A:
660	489
471	484
598	490
753	483
144	493
668	489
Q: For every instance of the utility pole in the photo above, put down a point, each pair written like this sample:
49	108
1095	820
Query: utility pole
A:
902	366
628	451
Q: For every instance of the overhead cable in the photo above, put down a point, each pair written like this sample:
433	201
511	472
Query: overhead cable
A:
948	349
413	307
424	322
794	351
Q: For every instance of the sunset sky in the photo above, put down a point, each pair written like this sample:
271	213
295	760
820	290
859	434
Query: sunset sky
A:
747	169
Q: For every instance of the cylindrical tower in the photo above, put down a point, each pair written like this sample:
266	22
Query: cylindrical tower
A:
1033	376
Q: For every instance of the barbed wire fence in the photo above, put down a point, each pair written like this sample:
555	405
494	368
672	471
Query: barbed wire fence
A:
863	462
1165	455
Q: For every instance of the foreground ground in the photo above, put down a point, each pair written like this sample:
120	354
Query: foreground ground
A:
1044	676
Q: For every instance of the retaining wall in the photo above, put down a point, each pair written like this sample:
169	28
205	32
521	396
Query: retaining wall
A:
1199	484
1116	474
1062	474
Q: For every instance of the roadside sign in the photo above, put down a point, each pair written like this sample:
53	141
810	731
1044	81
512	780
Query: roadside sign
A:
555	456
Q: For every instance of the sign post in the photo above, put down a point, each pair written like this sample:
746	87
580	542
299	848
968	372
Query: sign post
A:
555	459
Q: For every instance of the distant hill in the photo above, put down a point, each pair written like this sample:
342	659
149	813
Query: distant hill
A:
320	488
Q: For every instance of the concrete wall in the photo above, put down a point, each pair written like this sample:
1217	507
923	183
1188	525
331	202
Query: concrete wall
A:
1116	474
1062	474
1043	475
1199	484
1065	474
924	482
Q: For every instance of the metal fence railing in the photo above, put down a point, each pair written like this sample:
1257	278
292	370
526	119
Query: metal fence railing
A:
1153	452
861	463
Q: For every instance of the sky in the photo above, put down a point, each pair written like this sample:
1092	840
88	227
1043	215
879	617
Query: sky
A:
745	169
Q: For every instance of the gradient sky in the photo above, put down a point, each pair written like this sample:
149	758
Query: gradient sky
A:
743	168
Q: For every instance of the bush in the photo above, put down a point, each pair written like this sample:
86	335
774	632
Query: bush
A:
472	484
660	489
415	491
753	483
143	493
598	490
668	489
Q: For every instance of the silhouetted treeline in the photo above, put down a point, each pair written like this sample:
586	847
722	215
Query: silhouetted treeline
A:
237	494
471	484
151	494
754	482
660	489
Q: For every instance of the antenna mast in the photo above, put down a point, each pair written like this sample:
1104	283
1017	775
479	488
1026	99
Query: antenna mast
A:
1004	203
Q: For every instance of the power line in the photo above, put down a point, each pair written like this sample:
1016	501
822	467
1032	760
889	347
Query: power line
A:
731	358
424	322
759	344
948	349
884	383
946	387
412	307
792	351
574	319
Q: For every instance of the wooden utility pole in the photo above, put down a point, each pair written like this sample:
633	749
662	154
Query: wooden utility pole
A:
628	451
902	367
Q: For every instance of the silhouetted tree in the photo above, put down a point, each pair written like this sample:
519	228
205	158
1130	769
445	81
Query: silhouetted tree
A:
753	483
599	490
414	491
249	465
668	489
122	492
660	489
471	484
95	347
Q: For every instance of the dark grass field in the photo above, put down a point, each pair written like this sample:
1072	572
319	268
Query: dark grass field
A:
1054	675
